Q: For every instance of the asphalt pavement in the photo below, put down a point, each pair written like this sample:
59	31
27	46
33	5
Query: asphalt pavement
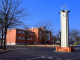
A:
38	53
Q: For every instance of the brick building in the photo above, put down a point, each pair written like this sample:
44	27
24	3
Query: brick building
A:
17	36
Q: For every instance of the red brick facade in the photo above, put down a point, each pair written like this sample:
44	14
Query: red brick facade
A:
17	36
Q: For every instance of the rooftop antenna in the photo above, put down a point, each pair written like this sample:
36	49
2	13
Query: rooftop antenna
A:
64	7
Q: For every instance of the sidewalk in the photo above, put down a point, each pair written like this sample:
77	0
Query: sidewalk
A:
44	45
40	45
37	45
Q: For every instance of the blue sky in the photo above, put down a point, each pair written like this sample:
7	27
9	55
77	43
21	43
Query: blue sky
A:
41	10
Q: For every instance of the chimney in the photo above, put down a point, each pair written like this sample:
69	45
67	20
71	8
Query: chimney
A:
32	28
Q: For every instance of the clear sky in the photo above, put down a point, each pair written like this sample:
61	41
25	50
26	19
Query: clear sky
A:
49	10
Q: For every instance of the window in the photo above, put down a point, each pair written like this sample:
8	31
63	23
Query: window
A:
52	37
28	39
17	37
33	33
52	40
23	38
48	36
32	39
17	31
22	32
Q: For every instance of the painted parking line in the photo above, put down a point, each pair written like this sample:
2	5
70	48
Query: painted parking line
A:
13	49
17	48
50	57
43	57
21	48
28	59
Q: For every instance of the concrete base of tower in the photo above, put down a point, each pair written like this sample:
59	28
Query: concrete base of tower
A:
65	49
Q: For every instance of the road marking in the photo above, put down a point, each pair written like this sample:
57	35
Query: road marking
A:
13	49
50	57
21	48
28	59
43	57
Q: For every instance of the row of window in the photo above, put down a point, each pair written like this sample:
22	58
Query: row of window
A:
52	37
24	32
20	32
52	40
22	38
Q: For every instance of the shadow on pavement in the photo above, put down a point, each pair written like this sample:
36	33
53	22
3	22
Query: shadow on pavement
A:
1	47
76	50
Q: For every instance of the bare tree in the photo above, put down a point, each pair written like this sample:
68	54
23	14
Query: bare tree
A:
59	36
74	34
1	31
27	35
10	12
48	26
44	36
77	39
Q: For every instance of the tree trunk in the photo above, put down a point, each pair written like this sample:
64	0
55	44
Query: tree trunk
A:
2	38
2	41
25	42
54	40
5	38
45	42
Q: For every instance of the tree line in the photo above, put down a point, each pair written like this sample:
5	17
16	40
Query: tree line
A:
74	35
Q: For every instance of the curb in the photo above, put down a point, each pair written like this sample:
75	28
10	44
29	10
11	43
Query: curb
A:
4	51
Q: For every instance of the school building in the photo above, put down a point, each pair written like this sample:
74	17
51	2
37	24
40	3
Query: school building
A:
17	36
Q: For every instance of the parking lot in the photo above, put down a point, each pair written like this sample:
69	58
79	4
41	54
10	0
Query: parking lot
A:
38	53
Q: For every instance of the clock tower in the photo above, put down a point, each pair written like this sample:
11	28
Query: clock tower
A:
64	17
64	14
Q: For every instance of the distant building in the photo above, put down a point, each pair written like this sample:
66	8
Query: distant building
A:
17	36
